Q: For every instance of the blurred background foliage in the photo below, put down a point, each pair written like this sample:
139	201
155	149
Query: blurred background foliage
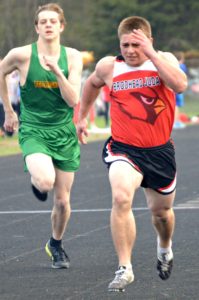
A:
92	25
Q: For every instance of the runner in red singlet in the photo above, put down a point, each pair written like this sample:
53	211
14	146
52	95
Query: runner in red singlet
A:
143	83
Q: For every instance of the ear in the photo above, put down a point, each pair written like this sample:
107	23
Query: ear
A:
62	27
36	29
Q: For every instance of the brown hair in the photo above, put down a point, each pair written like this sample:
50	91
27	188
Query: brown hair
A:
128	24
52	7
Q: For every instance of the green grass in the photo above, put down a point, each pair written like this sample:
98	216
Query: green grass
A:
9	145
191	105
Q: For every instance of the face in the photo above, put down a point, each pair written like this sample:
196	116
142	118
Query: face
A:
49	25
131	51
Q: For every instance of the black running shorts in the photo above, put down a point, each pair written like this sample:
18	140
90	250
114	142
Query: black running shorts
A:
156	164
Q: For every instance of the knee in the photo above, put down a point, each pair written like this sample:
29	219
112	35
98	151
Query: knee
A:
122	201
162	214
45	184
63	205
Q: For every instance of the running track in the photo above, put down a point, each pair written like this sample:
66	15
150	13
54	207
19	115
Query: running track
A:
25	272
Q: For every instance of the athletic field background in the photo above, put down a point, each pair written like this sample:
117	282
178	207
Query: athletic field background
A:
9	145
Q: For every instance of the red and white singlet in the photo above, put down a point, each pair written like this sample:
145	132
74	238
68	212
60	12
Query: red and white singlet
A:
142	107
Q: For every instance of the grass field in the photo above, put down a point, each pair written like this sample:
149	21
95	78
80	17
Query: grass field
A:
9	145
191	107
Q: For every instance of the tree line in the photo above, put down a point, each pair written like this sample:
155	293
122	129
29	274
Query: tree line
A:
92	25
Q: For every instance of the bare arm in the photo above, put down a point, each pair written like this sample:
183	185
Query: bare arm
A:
70	88
10	63
166	63
170	72
101	76
7	65
89	95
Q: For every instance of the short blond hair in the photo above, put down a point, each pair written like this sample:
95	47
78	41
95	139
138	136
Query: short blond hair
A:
52	7
127	25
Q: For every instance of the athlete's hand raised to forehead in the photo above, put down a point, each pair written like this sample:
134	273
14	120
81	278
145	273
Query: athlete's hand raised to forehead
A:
145	44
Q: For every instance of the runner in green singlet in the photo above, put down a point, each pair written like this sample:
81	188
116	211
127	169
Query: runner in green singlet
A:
50	80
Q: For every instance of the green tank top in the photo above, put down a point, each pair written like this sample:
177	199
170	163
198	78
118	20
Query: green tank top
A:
41	102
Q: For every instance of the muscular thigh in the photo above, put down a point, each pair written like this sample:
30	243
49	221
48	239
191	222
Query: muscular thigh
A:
157	201
40	165
124	178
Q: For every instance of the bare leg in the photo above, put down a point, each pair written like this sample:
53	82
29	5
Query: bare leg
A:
124	181
42	171
61	210
163	217
59	218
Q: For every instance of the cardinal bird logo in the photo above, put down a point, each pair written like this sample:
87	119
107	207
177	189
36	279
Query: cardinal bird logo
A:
147	108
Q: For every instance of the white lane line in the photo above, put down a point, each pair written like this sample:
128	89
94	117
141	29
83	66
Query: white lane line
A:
86	210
